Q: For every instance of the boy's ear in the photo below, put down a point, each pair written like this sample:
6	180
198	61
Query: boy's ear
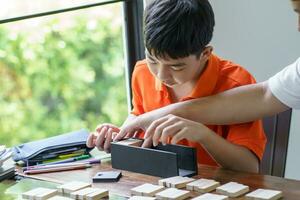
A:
206	52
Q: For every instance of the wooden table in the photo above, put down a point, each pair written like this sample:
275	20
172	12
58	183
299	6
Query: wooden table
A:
290	188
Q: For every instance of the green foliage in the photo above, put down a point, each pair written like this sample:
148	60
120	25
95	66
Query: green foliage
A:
60	80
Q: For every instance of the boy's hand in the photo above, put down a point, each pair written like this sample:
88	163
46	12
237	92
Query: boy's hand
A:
102	137
133	126
176	127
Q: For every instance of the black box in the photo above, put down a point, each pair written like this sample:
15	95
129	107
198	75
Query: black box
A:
162	160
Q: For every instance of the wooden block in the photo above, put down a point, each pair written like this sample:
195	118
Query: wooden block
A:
60	198
131	142
39	193
175	182
72	187
31	193
80	194
232	189
146	189
45	194
173	194
209	196
263	194
100	193
203	185
141	198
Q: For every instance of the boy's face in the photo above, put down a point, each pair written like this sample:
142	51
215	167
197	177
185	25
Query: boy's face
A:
296	6
175	72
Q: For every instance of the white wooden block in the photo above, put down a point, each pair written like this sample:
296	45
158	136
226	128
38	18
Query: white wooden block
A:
146	189
131	142
141	198
72	187
80	194
45	194
175	182
30	194
173	194
264	194
203	185
209	196
232	189
39	193
100	193
60	198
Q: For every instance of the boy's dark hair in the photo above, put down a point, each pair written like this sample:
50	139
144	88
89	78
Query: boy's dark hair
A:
178	28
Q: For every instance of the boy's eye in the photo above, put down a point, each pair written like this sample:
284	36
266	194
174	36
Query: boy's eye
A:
152	61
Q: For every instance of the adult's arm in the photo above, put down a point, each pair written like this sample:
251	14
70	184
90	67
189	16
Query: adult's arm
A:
238	105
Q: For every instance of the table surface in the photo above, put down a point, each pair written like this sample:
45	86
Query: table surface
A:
290	188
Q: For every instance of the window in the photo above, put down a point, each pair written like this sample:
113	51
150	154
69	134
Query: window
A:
60	72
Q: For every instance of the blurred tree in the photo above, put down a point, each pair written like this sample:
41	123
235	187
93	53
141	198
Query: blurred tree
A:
63	80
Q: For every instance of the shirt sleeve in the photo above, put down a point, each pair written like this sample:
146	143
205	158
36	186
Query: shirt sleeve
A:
285	85
137	101
250	135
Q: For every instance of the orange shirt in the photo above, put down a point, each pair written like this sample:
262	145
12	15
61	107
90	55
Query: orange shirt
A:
219	75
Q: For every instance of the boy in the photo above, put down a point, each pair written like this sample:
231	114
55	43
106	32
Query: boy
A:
279	93
180	66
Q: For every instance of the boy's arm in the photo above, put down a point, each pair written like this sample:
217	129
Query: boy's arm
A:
227	154
238	105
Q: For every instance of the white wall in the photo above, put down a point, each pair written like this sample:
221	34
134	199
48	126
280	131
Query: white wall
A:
262	36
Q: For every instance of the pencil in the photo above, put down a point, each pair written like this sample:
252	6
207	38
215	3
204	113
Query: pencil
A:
57	169
90	161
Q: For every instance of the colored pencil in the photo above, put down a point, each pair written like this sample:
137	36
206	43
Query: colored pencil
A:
82	157
57	169
44	166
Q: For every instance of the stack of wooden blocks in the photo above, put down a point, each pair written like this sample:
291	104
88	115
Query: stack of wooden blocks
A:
180	188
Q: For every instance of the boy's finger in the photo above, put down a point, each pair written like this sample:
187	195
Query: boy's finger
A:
108	140
114	134
179	136
147	143
120	135
99	127
90	142
160	128
100	138
130	134
151	129
169	131
107	125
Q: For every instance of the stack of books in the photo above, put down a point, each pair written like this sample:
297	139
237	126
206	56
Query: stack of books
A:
7	170
67	147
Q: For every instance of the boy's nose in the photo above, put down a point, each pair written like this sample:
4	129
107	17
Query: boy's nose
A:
163	74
